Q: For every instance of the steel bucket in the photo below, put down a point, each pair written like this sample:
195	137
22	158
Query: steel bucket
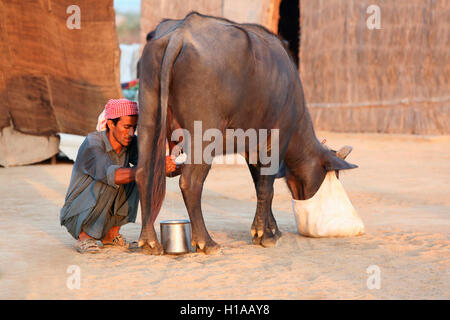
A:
176	236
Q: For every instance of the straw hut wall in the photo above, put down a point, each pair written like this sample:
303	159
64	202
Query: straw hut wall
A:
264	12
391	80
52	78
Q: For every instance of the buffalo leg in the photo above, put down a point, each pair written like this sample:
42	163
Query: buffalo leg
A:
272	224
191	185
148	239
261	222
264	228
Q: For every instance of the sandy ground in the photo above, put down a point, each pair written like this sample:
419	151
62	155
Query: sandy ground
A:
401	191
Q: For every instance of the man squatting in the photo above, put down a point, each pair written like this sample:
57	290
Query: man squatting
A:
102	194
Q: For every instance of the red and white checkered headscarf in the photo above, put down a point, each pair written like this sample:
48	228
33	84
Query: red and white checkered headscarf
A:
116	108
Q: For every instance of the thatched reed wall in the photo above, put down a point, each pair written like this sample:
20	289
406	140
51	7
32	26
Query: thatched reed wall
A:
264	12
53	79
393	80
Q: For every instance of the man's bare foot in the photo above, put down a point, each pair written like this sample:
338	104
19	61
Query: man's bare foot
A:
86	244
111	235
118	241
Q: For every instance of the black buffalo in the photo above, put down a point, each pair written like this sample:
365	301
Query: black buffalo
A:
228	76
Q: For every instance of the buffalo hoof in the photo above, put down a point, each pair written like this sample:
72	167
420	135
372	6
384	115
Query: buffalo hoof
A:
208	247
256	235
256	241
270	240
266	239
153	248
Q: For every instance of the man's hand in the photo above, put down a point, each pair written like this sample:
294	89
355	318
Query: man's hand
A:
171	166
125	175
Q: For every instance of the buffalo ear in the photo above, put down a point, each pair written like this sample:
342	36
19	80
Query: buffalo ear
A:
331	162
344	152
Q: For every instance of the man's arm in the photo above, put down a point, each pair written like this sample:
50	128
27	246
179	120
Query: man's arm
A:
93	161
127	175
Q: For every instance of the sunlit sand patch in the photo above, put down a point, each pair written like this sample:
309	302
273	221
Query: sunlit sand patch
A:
47	193
59	173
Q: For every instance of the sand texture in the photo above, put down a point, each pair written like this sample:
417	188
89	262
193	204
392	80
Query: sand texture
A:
400	190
